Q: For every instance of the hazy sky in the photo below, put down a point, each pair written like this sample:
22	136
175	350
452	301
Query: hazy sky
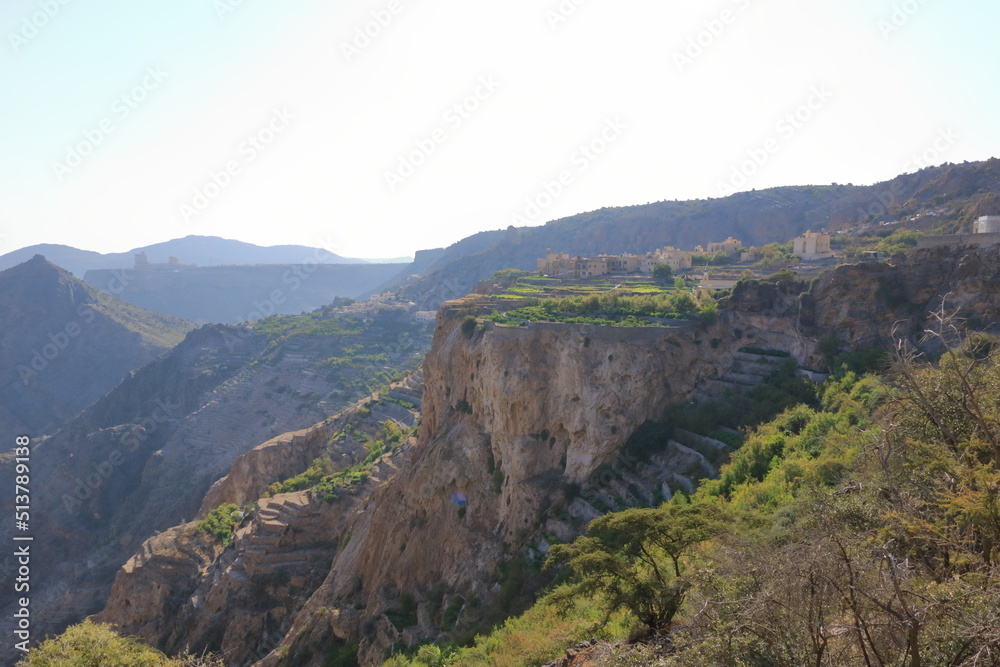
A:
129	123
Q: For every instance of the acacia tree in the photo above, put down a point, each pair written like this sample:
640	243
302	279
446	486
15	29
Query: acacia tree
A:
634	560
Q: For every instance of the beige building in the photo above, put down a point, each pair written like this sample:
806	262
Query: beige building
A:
730	246
562	265
588	267
677	260
812	246
987	224
556	264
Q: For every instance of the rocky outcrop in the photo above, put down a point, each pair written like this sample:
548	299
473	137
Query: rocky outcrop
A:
182	590
874	304
512	417
289	454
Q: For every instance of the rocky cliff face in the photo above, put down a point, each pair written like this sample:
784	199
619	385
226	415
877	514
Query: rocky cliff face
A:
511	418
183	589
873	305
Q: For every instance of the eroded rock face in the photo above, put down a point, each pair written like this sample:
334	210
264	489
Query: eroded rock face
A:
872	305
509	417
183	591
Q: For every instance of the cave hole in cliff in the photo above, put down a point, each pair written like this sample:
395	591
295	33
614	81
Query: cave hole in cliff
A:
649	439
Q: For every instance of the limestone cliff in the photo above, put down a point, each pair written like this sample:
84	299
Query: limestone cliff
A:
512	420
871	305
511	416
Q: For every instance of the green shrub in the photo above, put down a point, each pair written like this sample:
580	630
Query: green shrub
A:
220	522
312	476
90	644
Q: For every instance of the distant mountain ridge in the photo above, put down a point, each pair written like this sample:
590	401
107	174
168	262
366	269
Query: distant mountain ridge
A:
233	294
200	250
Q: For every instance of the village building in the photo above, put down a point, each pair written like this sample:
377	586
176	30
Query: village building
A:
142	262
556	264
812	246
588	267
730	246
677	260
987	224
562	265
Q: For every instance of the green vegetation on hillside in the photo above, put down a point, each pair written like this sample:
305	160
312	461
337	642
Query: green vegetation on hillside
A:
91	644
887	241
610	308
220	522
716	259
325	482
157	328
363	353
775	256
861	528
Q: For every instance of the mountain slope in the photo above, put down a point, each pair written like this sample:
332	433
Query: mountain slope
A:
233	294
64	344
142	458
955	194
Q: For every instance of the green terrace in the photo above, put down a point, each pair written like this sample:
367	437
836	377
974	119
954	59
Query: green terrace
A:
514	298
